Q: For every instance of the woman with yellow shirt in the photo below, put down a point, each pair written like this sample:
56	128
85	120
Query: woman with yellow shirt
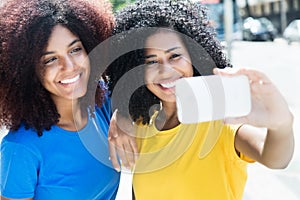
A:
191	161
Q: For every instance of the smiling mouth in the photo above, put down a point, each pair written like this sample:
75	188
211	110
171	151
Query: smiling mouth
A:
71	80
168	85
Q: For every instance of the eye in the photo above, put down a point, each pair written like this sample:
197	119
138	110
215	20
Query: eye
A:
76	50
151	62
175	56
50	61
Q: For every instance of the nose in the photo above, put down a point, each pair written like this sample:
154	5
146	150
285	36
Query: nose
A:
68	63
165	67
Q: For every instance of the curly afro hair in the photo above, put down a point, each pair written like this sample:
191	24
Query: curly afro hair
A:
25	27
186	18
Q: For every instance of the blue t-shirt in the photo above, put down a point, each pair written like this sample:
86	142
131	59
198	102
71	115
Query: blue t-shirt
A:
60	164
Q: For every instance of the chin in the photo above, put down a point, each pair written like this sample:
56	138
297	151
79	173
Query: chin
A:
79	94
169	100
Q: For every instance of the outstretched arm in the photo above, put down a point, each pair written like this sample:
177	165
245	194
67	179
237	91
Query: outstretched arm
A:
268	136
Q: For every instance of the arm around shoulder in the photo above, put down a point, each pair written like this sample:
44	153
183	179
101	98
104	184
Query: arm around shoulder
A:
3	198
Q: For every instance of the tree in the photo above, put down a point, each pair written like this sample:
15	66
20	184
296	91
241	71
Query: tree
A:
117	4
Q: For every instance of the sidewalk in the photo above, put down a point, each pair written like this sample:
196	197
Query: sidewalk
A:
281	63
267	184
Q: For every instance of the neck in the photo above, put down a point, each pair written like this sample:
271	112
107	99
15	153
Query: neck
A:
71	116
167	117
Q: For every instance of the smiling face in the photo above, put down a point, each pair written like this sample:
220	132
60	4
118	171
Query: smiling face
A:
167	60
66	68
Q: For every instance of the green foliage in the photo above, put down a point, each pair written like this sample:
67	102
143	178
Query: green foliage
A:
117	4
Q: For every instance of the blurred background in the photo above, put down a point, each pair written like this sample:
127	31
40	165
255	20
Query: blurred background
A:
265	35
251	19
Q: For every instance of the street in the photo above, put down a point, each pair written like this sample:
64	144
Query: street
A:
281	62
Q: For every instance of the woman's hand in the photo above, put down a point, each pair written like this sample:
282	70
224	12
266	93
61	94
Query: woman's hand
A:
275	147
269	108
122	144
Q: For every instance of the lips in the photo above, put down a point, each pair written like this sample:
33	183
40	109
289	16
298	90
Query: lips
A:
70	80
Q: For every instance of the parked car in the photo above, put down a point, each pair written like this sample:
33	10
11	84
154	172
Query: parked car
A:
258	29
292	32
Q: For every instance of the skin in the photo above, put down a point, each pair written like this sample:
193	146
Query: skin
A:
3	198
272	146
160	70
121	142
64	59
167	61
65	76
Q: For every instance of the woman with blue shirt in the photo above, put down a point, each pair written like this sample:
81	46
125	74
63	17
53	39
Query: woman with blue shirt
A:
57	144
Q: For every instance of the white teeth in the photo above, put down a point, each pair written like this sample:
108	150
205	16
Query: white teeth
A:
168	85
72	80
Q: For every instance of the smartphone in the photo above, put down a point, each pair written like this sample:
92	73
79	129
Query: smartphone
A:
214	97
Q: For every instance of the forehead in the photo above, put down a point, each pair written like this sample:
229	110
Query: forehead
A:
60	37
164	40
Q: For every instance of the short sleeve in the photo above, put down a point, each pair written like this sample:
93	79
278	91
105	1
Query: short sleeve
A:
19	171
105	112
243	157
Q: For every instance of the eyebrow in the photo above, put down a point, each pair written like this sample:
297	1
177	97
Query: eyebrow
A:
73	42
166	51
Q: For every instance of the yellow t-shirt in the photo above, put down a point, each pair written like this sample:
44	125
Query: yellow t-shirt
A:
189	162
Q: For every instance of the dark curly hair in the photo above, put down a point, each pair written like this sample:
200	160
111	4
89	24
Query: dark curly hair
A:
188	19
25	27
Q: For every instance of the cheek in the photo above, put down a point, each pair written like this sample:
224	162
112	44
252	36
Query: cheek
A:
151	88
191	72
84	59
40	74
88	68
188	69
150	74
149	79
48	76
